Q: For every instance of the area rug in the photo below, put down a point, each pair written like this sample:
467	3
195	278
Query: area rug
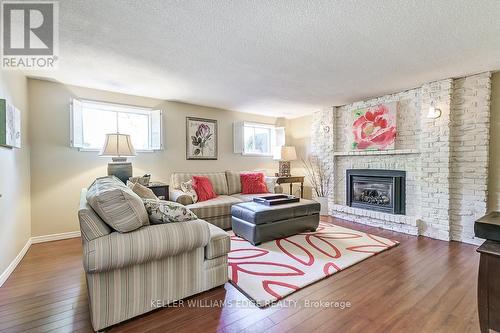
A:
273	270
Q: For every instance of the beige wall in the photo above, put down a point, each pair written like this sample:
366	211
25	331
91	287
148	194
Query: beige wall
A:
494	170
14	176
298	134
59	172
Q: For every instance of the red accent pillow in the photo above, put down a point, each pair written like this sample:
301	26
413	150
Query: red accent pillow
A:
253	183
203	188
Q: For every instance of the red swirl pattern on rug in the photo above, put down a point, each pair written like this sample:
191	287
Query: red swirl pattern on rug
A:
297	261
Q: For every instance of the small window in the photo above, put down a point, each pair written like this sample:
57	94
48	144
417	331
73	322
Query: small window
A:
91	121
257	139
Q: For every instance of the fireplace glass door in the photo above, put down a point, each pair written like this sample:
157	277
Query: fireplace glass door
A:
380	190
372	192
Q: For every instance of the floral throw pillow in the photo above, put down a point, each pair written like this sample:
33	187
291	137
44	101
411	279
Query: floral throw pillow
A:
187	187
161	211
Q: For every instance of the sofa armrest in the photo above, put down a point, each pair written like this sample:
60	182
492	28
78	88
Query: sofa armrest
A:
181	197
148	243
219	244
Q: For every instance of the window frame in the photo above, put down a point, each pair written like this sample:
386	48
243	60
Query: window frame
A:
254	126
117	108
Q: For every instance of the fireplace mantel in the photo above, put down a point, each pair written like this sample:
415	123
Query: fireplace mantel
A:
376	152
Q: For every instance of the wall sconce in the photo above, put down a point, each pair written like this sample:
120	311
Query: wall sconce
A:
324	127
434	112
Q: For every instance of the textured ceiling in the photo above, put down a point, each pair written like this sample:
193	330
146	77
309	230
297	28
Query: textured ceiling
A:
282	58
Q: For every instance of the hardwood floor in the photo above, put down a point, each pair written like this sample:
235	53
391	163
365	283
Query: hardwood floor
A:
422	285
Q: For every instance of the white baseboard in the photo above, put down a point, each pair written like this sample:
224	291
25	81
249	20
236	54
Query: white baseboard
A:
34	240
54	237
5	275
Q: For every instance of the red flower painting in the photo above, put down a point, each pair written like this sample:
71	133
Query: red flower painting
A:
375	128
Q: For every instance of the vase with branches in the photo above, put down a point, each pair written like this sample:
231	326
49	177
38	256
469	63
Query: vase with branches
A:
320	179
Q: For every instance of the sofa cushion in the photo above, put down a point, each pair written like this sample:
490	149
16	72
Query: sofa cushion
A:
161	211
150	243
214	207
249	197
117	205
218	180
219	243
234	181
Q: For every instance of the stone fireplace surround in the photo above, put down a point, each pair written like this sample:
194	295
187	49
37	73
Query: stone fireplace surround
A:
445	159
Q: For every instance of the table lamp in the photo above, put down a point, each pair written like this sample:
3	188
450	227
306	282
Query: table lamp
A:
119	147
287	154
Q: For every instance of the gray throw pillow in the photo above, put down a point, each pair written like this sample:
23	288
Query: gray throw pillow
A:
142	191
117	205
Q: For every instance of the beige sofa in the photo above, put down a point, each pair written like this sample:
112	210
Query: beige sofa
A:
131	273
226	185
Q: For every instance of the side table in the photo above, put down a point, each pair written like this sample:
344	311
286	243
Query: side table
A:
159	189
290	180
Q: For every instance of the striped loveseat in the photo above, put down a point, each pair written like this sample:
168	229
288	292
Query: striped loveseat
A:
131	273
227	186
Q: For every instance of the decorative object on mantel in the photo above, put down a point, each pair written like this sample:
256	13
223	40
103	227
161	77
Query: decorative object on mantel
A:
119	147
10	125
434	112
374	128
287	154
201	139
320	180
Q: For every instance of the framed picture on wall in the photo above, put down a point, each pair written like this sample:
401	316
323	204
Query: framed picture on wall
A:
10	125
374	128
201	139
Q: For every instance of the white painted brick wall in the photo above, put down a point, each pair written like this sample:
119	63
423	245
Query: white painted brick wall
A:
322	142
435	161
446	159
469	138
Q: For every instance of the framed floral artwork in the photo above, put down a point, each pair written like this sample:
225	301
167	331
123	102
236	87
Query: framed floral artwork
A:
374	128
201	139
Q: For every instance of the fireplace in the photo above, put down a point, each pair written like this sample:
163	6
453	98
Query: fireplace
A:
380	190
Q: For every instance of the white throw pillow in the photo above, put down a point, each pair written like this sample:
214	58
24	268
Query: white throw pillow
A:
161	211
187	187
271	183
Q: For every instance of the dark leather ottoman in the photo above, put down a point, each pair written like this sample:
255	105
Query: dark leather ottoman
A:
259	223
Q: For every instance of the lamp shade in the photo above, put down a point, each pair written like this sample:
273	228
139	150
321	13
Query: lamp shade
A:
288	153
118	145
